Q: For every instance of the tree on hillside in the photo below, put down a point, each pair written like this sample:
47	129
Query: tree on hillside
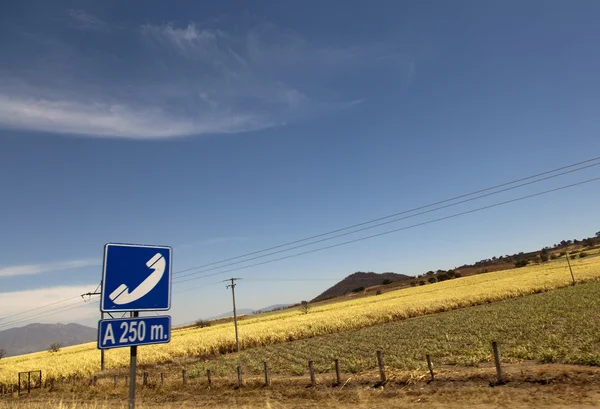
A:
304	307
2	353
54	347
202	323
521	263
544	255
598	234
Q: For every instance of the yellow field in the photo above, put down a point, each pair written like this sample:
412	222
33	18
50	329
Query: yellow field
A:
322	319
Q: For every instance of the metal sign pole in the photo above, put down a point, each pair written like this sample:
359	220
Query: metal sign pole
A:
132	370
101	351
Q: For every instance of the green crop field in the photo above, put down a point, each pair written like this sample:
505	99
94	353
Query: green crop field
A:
558	326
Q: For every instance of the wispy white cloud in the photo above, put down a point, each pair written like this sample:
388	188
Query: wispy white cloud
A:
32	269
186	38
85	21
195	81
71	311
114	119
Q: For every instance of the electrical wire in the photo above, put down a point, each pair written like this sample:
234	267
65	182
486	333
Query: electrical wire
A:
362	229
391	215
38	308
383	223
394	230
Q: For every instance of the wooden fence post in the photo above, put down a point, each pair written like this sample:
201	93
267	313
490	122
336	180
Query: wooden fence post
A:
126	380
381	367
145	379
208	377
338	378
183	372
115	381
28	382
311	371
95	380
267	379
497	361
429	365
239	374
162	379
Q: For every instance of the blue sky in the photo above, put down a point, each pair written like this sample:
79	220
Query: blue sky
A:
221	129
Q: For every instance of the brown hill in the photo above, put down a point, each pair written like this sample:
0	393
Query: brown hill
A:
359	281
38	337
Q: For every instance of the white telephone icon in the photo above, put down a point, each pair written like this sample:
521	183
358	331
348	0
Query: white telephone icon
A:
122	295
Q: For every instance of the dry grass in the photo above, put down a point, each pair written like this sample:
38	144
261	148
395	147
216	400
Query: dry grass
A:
530	385
329	318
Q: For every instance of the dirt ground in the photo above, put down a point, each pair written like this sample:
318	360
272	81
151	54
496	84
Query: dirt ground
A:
526	385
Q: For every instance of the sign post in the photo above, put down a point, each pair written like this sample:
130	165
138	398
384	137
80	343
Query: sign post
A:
132	370
135	278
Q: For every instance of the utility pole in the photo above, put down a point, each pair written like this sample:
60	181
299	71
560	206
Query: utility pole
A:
232	286
102	317
570	269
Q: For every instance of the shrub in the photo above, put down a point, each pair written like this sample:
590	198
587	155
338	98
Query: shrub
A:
583	254
443	277
457	275
386	282
202	323
573	256
422	282
54	347
304	307
553	256
432	279
562	253
378	292
521	263
413	283
358	289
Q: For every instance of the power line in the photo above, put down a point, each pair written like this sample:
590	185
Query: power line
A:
74	306
348	228
274	280
395	230
389	216
47	313
71	307
384	223
38	308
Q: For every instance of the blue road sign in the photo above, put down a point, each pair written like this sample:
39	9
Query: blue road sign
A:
128	332
136	278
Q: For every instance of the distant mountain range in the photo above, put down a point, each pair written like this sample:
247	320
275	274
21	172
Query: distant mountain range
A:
38	337
359	281
250	311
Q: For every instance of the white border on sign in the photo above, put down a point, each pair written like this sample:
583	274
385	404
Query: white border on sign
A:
131	319
106	246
